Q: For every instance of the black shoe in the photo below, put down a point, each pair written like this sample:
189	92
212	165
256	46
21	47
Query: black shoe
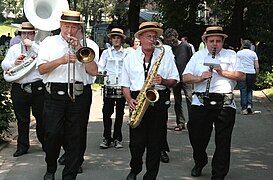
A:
164	157
49	176
19	152
196	171
80	170
61	160
131	176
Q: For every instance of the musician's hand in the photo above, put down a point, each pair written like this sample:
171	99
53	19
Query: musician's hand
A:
20	59
132	104
157	79
218	70
206	75
68	57
27	42
74	42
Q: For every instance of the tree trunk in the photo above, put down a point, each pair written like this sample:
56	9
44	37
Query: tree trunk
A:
237	25
133	16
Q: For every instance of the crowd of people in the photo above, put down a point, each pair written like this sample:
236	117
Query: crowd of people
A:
57	91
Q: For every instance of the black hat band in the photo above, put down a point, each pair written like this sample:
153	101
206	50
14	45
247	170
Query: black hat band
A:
149	26
28	28
214	32
70	18
116	32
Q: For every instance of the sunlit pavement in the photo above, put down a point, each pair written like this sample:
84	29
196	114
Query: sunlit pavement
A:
251	157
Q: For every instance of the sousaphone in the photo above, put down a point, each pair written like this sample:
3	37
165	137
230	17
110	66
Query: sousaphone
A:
44	15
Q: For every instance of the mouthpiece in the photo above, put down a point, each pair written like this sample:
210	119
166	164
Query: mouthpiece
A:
213	52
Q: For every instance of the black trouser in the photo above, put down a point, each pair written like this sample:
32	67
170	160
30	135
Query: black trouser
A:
200	127
23	103
108	110
149	134
187	88
66	125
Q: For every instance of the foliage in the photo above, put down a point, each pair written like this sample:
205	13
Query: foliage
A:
182	16
6	113
265	80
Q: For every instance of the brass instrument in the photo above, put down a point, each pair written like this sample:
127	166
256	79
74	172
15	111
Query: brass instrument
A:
19	71
147	94
71	50
42	14
206	95
84	55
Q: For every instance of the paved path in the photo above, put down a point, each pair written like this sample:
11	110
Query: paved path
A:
252	151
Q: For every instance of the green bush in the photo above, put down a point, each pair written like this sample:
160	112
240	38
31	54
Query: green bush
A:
264	80
6	108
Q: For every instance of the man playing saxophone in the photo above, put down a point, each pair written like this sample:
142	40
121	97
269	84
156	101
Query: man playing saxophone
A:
27	91
66	115
137	66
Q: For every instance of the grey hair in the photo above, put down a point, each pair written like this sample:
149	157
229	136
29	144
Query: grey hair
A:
246	44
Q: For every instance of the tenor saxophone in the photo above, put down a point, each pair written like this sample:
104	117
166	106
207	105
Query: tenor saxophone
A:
147	94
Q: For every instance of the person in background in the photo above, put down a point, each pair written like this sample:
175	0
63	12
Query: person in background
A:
16	39
67	104
250	63
213	105
136	44
184	39
182	54
149	134
110	64
27	93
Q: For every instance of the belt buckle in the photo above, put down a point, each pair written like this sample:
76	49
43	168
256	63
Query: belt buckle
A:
27	88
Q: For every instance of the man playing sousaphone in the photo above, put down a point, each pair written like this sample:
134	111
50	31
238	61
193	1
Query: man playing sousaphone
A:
68	96
27	91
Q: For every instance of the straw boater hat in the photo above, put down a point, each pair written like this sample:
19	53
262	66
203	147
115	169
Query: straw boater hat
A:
213	31
116	32
149	26
26	27
71	16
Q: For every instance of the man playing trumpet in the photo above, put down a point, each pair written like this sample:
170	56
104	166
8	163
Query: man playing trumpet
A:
66	118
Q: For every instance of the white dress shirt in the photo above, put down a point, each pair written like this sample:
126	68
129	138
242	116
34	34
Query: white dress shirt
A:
111	61
54	47
219	84
133	71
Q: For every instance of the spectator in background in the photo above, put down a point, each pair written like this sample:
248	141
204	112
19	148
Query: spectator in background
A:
250	63
136	44
17	39
184	39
